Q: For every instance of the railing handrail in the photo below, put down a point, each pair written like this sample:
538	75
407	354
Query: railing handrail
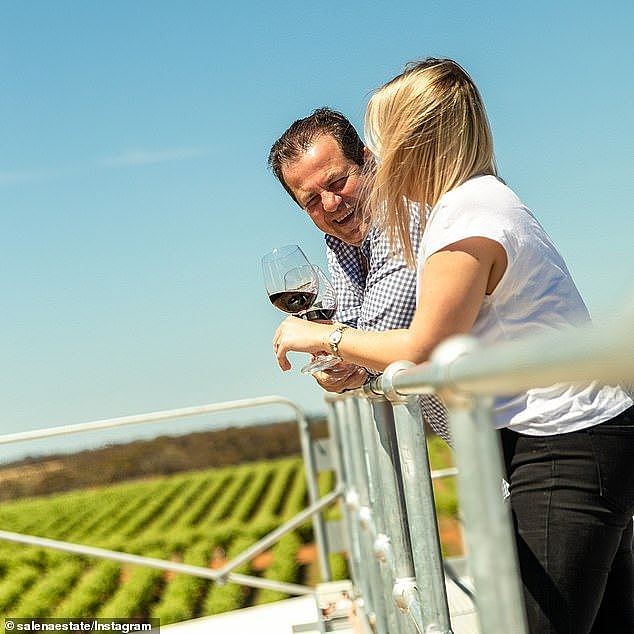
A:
594	353
154	417
313	510
467	375
153	562
462	371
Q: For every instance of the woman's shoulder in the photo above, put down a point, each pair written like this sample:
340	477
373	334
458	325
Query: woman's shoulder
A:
481	192
483	206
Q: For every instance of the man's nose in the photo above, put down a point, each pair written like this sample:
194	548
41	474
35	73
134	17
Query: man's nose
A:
330	201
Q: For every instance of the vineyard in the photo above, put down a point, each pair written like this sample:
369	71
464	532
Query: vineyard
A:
201	518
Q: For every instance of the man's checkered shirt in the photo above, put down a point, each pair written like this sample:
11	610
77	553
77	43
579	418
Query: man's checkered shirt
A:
377	291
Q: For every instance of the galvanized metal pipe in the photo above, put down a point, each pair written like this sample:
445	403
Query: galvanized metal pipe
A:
151	562
356	457
382	578
421	511
394	499
603	354
350	495
280	531
151	417
394	507
199	410
488	528
339	468
310	472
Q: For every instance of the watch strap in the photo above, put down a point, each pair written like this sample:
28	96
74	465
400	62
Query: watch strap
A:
334	340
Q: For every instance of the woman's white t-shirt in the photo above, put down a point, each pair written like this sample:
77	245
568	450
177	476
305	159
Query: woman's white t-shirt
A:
535	295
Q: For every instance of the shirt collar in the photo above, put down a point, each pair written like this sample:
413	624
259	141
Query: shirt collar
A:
337	245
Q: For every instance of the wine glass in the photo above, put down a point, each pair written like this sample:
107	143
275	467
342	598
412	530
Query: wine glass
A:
322	309
291	282
300	288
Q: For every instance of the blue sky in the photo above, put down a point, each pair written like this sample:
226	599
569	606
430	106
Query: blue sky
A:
136	202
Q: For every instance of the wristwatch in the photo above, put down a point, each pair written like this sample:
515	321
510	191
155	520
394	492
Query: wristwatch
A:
334	339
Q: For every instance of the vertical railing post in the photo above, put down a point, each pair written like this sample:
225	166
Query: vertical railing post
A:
421	511
398	549
362	550
487	518
371	585
386	611
337	416
319	527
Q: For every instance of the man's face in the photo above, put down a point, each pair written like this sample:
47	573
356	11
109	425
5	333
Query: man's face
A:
327	185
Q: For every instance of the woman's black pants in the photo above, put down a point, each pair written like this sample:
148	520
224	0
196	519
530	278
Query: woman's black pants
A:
572	498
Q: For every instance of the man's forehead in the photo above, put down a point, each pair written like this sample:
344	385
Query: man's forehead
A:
321	154
314	167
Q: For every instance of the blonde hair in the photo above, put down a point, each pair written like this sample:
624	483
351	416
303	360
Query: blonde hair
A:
429	133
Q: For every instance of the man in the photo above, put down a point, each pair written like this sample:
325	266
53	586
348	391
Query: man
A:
319	160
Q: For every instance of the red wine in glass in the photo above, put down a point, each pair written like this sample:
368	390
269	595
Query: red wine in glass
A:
293	301
290	280
323	308
318	314
299	288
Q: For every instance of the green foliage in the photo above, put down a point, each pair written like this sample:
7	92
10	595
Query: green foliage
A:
338	567
15	584
284	568
183	592
93	590
152	509
277	490
230	596
136	592
440	454
41	599
184	517
196	487
247	506
200	507
227	500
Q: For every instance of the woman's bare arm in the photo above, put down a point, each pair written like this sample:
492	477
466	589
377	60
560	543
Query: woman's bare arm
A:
451	291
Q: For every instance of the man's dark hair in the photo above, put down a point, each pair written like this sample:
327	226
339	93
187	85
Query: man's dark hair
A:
302	134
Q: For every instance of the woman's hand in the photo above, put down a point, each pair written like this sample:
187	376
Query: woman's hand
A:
298	335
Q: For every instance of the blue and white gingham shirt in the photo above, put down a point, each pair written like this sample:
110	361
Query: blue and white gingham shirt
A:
377	291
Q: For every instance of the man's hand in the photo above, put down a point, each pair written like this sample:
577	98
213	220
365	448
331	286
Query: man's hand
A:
343	376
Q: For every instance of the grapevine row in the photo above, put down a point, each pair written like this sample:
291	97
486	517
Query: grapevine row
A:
201	506
274	497
93	590
46	593
222	598
183	502
180	598
224	504
136	593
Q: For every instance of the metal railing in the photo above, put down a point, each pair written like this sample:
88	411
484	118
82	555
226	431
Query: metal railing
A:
389	507
225	573
383	475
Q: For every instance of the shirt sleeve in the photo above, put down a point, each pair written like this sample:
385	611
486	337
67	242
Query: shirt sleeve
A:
456	219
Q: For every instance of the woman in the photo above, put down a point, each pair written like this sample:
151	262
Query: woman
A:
486	267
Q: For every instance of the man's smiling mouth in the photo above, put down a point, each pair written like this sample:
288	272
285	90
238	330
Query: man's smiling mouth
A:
346	217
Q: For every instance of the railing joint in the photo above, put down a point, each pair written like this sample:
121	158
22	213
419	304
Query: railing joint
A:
404	592
443	356
387	380
382	548
352	500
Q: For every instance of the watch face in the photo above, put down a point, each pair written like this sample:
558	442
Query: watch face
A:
335	337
